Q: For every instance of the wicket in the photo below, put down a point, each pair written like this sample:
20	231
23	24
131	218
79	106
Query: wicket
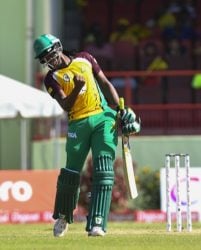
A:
177	165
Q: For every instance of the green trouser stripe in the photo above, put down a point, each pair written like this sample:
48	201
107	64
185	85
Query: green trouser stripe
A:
67	194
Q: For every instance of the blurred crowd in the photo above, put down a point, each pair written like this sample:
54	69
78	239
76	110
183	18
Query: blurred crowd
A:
172	30
169	39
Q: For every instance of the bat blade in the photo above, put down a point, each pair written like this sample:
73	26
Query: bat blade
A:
128	162
128	168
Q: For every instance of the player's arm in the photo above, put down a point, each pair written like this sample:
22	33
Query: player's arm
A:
128	117
129	123
54	89
107	88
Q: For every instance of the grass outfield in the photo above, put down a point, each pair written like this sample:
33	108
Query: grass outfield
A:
122	235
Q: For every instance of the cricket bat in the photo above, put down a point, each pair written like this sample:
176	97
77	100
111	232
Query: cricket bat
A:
128	162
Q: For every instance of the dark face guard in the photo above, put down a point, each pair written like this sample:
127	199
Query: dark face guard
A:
52	59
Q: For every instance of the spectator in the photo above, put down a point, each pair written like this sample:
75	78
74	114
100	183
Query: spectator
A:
102	50
176	20
151	59
175	48
123	32
166	20
177	55
189	7
179	58
96	44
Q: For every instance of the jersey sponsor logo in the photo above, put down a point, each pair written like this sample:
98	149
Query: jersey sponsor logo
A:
72	135
66	78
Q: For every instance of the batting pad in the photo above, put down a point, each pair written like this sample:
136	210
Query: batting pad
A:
67	194
103	179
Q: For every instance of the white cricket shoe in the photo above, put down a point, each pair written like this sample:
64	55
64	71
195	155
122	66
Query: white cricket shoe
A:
96	231
60	228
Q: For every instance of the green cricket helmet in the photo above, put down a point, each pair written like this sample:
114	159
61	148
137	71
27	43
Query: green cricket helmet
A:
45	44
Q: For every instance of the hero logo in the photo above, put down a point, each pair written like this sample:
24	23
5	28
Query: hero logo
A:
19	190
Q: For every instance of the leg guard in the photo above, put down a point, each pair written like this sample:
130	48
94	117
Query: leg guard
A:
67	194
103	179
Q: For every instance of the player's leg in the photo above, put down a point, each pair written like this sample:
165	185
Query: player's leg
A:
66	199
104	143
68	183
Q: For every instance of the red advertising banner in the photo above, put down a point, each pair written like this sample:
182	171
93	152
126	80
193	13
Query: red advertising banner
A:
27	196
27	193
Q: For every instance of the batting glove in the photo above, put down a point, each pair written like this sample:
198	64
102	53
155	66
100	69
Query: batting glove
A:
127	115
131	128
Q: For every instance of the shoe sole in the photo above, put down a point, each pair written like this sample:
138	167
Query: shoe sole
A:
94	234
60	235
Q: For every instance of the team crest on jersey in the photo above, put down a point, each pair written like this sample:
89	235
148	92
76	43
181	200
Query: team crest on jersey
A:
66	78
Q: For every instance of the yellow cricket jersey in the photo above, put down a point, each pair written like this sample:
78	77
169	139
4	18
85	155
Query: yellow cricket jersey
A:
88	100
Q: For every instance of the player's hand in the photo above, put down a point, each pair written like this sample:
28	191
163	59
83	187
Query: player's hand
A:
79	81
127	115
131	128
130	124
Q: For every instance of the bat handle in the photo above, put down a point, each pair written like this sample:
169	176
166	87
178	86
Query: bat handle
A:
121	103
121	107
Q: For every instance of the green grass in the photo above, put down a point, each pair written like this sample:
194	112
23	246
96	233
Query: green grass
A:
122	235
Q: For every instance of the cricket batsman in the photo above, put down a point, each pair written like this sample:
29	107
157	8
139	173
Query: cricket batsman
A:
79	85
